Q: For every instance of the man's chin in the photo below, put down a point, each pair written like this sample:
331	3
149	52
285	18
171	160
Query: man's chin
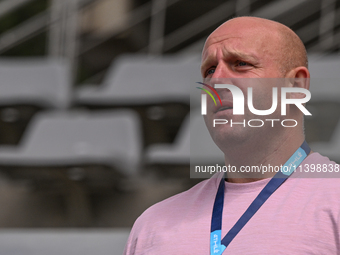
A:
227	137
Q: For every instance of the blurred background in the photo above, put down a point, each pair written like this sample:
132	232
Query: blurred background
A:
94	104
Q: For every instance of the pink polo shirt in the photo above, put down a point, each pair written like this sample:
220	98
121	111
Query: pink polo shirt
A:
301	217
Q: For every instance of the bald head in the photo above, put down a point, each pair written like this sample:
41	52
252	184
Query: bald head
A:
293	52
287	49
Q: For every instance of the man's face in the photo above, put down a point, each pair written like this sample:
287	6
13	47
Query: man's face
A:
237	53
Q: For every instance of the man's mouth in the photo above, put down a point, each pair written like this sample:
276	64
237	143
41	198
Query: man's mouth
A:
224	108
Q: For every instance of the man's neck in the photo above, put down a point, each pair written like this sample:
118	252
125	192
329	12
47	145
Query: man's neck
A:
254	163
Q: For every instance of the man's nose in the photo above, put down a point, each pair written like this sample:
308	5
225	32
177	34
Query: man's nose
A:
222	75
222	70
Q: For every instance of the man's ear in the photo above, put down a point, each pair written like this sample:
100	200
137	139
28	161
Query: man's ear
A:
300	78
298	72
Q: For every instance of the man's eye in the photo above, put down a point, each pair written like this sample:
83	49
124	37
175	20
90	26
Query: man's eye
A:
210	71
242	63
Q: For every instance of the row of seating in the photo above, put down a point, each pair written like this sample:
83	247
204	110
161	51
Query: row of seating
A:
70	241
107	137
131	80
113	138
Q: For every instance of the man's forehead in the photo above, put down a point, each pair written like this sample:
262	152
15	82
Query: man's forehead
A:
247	23
233	45
218	38
245	27
257	38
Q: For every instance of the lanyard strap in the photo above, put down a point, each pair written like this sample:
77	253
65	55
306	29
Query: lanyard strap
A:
217	246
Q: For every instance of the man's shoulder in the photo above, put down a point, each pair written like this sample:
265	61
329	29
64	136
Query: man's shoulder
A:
318	173
199	190
176	205
168	220
316	157
318	166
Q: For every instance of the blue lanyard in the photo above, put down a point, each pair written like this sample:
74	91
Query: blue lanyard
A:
217	246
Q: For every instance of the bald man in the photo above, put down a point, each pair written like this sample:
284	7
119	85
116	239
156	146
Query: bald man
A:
241	213
244	48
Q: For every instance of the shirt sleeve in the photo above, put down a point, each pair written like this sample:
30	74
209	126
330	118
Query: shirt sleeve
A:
130	246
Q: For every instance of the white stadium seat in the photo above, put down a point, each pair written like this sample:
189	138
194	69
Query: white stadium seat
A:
193	143
28	86
72	138
140	80
41	82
